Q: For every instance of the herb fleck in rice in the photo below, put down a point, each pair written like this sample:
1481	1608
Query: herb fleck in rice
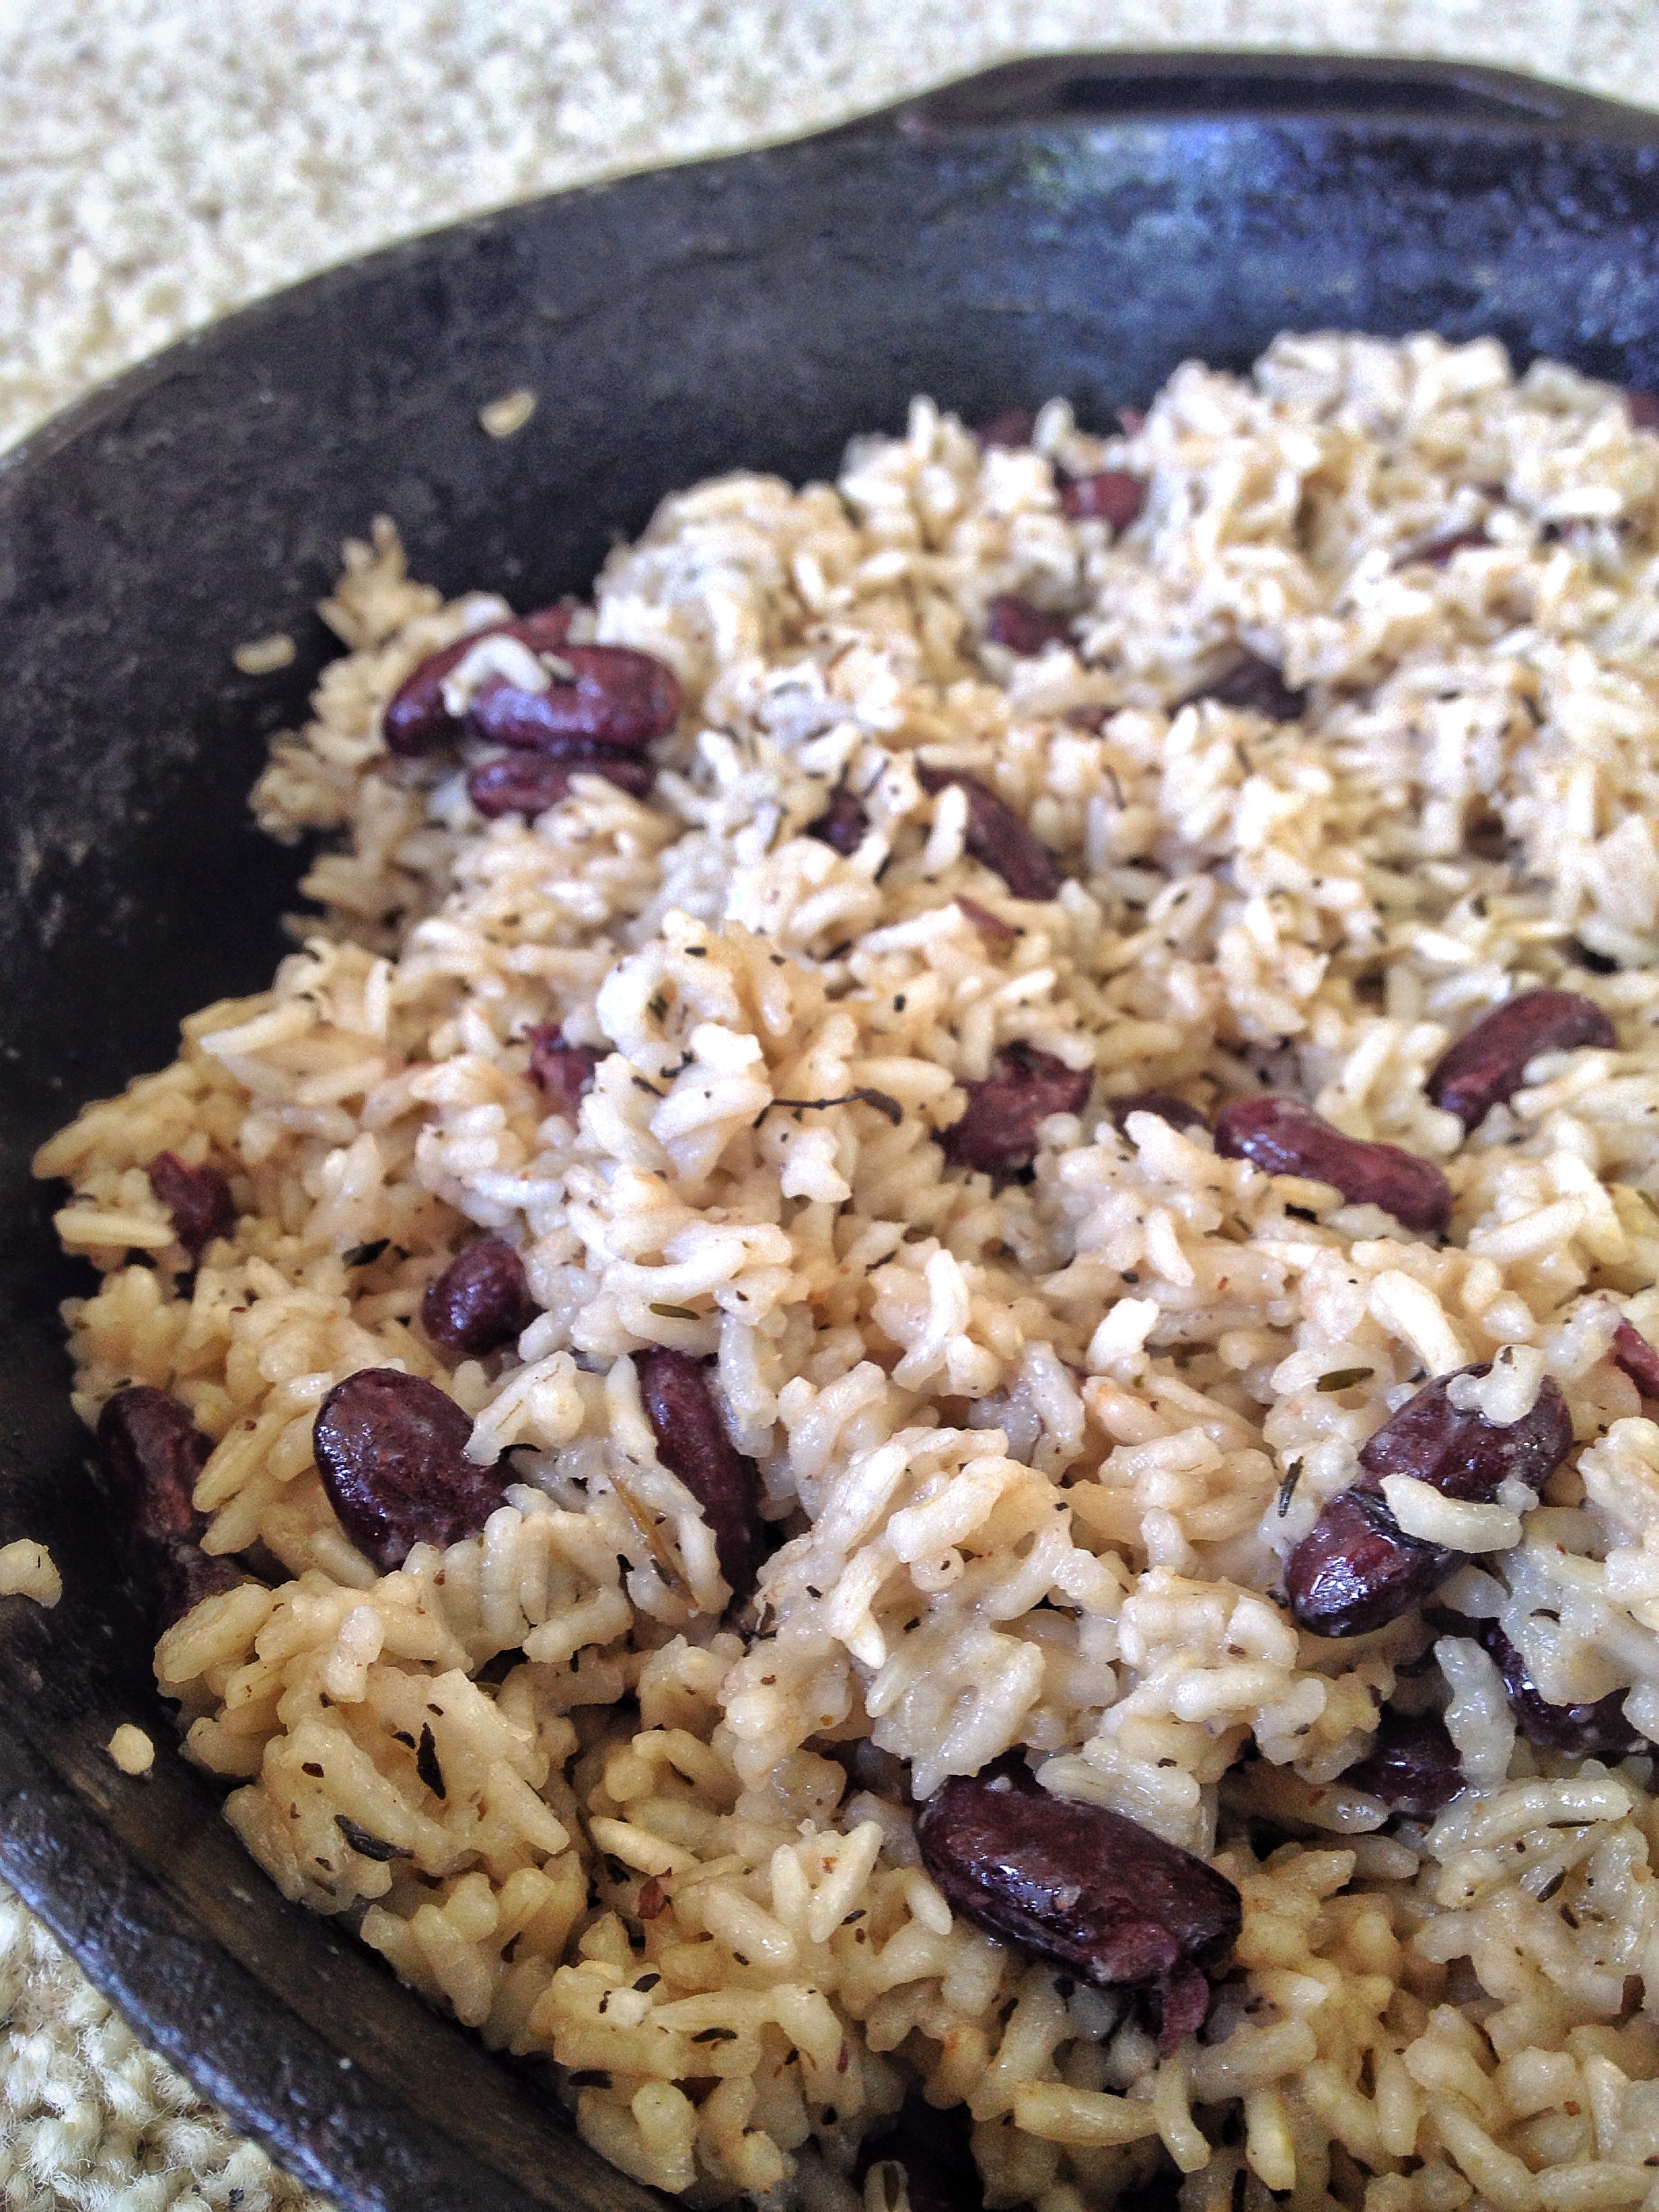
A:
1338	734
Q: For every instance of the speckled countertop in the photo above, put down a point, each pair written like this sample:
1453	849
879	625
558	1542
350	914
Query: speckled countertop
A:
166	160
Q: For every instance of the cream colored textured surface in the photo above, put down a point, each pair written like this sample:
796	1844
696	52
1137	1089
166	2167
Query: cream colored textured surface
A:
165	162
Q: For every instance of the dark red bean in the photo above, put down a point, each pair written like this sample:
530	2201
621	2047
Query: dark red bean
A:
1356	1569
1642	408
1439	554
1413	1765
529	783
198	1199
999	838
1095	1892
1113	497
614	699
481	1301
1167	1107
692	1443
987	924
1636	1357
936	2149
392	1451
998	1134
1282	1137
1596	1730
1009	430
151	1453
1252	684
1465	1455
416	719
841	825
562	1072
1024	628
1488	1063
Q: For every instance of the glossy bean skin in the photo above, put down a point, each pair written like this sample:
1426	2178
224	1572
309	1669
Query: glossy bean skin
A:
1024	628
1167	1107
198	1199
391	1452
1596	1729
1282	1137
151	1453
616	700
1256	686
481	1301
998	1134
1096	1894
562	1072
1113	497
1486	1067
679	1396
841	826
998	837
1356	1569
1635	1357
1413	1765
416	720
529	783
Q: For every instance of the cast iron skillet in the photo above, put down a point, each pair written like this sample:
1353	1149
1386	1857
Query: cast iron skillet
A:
1078	226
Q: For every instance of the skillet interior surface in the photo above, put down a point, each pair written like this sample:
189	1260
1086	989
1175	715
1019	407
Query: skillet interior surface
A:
1076	226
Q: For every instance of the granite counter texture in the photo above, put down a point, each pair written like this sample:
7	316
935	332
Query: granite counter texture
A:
167	161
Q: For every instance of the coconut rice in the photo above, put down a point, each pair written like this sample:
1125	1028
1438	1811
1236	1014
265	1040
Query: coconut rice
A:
1035	1456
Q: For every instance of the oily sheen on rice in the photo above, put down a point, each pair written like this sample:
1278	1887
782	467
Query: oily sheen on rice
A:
1034	1455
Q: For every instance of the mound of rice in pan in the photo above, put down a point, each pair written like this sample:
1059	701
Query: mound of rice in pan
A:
1324	719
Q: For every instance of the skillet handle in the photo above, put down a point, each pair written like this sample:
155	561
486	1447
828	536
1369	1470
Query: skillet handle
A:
1064	87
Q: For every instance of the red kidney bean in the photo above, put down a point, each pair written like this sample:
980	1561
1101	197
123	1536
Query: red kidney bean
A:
1167	1107
392	1451
614	699
1594	1730
692	1442
987	924
1024	628
1413	1765
529	783
1465	1455
1439	554
1356	1569
1642	408
562	1072
417	721
481	1301
151	1453
841	825
198	1199
1009	430
998	1134
999	838
1636	1357
936	2149
1488	1063
1113	497
1097	1894
1282	1137
1252	684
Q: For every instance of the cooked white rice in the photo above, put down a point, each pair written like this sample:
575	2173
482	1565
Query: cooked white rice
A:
1030	1449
